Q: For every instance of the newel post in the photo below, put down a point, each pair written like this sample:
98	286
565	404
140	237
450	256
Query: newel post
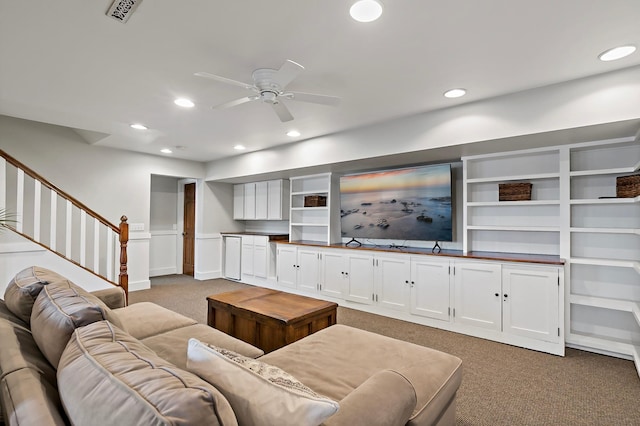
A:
123	278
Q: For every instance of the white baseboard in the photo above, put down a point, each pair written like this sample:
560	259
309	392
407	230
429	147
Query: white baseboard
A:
207	275
140	285
157	272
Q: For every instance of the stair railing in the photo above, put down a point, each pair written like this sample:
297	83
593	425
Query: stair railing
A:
64	230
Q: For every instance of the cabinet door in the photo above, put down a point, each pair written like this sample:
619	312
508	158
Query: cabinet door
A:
478	300
238	201
260	260
274	199
530	302
249	200
392	283
332	273
308	270
262	200
430	289
247	255
232	253
286	266
359	277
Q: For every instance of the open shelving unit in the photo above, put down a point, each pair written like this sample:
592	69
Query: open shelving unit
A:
604	254
512	226
317	224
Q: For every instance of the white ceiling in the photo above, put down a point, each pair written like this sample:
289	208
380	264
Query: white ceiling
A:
65	62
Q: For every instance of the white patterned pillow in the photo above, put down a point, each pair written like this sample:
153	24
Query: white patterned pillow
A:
260	394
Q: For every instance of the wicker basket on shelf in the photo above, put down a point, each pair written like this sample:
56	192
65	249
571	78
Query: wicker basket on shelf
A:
315	201
520	191
628	186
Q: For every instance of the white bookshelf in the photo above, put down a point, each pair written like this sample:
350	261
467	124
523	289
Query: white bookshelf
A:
512	226
603	265
317	224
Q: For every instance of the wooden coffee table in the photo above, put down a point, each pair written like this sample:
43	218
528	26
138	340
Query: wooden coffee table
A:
268	319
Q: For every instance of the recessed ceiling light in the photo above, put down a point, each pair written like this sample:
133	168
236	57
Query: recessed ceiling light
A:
293	133
183	102
239	148
617	53
166	151
366	10
455	93
138	126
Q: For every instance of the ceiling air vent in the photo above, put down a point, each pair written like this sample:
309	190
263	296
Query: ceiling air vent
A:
121	10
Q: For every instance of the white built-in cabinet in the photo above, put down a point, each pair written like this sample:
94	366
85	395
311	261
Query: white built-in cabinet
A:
604	249
266	200
255	257
317	224
517	303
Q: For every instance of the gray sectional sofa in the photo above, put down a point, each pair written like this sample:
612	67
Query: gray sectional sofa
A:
68	356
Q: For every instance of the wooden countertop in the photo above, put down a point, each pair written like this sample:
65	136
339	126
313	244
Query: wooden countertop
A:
272	236
479	255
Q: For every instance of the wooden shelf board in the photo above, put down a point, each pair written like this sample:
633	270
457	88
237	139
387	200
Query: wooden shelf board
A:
599	172
607	262
309	224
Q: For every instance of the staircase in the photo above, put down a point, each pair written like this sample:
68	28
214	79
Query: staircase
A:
53	219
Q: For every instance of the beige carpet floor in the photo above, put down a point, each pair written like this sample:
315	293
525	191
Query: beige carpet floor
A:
502	384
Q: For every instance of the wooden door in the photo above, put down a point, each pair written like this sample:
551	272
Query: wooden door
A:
189	232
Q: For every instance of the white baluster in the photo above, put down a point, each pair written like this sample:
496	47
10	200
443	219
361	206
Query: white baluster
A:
96	246
53	220
68	230
19	199
83	237
110	254
37	193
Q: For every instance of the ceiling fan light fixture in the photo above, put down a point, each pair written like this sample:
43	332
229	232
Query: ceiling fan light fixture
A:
293	133
455	93
183	102
366	10
617	53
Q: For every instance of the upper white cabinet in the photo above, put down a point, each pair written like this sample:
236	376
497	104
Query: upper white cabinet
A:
531	226
314	223
266	200
604	248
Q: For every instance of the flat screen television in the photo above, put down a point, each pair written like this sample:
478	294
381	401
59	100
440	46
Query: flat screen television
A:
400	204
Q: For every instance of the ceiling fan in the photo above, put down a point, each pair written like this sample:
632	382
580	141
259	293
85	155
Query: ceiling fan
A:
269	87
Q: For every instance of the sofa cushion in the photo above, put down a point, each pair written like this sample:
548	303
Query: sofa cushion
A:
172	345
106	374
60	308
147	319
332	362
260	394
28	389
25	287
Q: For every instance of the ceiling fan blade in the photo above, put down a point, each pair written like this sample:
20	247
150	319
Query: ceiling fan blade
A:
236	102
282	111
313	98
226	80
287	73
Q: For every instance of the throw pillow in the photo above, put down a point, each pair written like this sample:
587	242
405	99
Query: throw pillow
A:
260	394
24	288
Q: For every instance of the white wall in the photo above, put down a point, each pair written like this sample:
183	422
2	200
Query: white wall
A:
111	182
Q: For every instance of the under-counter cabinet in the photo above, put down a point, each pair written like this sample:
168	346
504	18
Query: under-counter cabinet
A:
392	282
348	275
478	294
431	288
299	268
254	260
